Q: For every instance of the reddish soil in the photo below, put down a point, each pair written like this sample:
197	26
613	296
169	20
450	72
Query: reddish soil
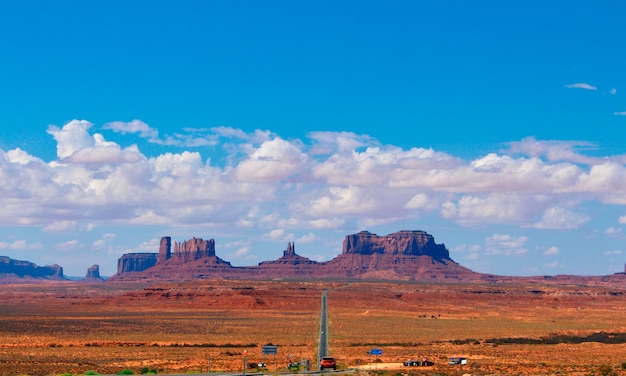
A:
503	329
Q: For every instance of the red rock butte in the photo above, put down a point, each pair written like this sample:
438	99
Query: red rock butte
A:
403	255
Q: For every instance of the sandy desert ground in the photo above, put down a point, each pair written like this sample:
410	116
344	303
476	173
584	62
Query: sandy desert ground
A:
502	329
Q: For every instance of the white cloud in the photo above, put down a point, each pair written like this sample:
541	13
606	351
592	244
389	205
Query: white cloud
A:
277	234
613	91
134	126
501	244
72	137
307	238
193	138
242	253
556	151
274	160
101	243
418	201
151	245
551	251
493	208
109	236
614	232
620	113
326	223
561	218
581	86
60	226
98	244
338	142
69	245
21	245
284	188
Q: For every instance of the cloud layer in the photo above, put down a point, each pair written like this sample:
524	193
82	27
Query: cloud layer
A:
334	177
331	180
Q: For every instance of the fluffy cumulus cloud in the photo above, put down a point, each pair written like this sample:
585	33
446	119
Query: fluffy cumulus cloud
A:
275	160
561	218
327	181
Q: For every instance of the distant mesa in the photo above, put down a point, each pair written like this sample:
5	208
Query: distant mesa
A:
93	274
403	255
16	269
409	243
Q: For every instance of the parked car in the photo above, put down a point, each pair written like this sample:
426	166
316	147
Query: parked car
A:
457	360
418	363
328	362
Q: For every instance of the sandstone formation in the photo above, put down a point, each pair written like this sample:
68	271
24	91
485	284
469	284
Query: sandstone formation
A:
93	273
10	268
404	255
195	258
290	265
408	243
136	262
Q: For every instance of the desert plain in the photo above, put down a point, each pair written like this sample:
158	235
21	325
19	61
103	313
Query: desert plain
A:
516	328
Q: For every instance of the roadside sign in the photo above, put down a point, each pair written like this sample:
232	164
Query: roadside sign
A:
270	349
376	352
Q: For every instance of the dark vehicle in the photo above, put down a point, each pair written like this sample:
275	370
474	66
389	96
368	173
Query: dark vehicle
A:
253	365
418	363
328	362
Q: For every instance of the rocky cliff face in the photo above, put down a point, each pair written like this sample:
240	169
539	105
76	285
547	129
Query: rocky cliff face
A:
24	269
403	255
193	258
93	273
194	249
187	251
136	262
406	243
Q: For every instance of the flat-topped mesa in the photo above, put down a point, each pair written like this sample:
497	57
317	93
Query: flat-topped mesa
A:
409	243
136	262
23	269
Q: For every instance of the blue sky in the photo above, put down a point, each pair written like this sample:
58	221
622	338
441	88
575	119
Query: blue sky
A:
497	127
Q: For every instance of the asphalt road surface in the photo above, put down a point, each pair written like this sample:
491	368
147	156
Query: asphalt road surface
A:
323	344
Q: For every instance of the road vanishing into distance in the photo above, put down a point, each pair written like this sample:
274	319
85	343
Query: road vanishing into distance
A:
323	346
